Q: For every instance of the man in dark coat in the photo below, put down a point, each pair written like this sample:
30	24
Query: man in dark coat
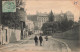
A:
36	40
40	39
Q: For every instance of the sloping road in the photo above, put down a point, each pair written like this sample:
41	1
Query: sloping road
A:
52	45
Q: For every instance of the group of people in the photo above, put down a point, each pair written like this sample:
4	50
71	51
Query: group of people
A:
40	40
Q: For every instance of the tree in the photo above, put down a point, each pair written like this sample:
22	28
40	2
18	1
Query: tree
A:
12	20
70	23
53	26
65	24
49	27
51	16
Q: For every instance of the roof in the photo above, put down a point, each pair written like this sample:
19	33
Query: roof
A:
69	13
32	17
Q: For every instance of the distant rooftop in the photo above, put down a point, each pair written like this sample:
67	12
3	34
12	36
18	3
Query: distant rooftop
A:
32	17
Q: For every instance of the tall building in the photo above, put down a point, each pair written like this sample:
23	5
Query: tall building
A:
38	21
41	19
62	16
32	18
57	17
70	16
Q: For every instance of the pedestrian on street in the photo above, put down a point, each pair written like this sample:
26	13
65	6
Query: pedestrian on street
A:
40	39
36	40
46	38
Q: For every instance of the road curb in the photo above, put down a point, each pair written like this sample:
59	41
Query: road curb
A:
69	50
5	47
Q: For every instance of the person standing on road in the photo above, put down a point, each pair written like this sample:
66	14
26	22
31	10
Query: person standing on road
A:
40	39
46	38
36	40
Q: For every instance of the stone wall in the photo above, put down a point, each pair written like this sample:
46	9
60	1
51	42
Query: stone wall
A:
14	35
72	34
8	35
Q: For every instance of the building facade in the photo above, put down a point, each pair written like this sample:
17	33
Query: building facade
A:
62	16
42	18
70	16
30	25
38	20
8	35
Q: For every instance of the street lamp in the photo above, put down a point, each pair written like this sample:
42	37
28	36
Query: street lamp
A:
0	20
0	10
21	29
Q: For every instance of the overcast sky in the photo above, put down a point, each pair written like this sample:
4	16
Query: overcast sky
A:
46	6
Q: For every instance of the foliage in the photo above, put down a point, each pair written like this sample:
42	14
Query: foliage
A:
51	17
49	27
53	26
65	25
12	19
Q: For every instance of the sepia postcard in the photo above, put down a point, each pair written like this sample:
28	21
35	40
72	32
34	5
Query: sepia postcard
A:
39	25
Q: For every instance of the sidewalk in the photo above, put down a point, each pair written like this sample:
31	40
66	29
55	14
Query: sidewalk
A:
15	43
1	46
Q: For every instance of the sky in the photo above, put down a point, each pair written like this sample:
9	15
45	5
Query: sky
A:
32	6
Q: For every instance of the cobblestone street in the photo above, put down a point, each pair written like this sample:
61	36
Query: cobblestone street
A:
52	45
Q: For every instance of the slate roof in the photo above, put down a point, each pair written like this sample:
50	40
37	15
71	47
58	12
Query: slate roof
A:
32	17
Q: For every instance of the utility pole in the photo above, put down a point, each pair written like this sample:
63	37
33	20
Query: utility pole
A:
21	30
1	36
0	10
